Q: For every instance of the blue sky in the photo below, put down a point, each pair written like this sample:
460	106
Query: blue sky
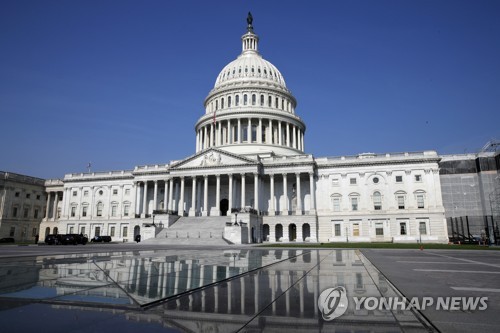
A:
122	83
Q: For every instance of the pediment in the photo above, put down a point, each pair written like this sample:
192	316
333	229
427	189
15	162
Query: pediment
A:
212	158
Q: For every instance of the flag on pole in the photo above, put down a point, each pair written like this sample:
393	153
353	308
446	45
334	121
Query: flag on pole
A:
89	166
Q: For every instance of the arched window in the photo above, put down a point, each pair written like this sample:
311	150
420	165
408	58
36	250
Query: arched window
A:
377	201
237	100
276	104
216	105
222	103
99	209
229	102
254	99
261	100
245	99
354	198
269	101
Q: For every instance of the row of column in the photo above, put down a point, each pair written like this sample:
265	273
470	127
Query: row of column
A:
55	206
227	132
174	195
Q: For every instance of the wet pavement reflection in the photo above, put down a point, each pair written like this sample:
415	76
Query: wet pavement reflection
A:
193	291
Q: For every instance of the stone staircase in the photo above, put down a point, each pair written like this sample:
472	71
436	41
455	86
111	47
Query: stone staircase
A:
202	230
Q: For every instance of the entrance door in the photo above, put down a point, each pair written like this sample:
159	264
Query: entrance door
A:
292	232
224	206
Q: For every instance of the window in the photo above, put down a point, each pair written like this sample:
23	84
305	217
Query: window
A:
73	211
355	229
261	100
28	195
70	230
127	191
237	100
336	204
126	209
84	211
216	105
377	201
269	101
36	214
420	201
97	231
222	103
335	182
337	229
115	191
229	102
418	178
85	193
113	210
17	194
422	228
99	209
245	99
82	230
276	103
12	231
34	232
375	180
254	133
254	99
125	232
26	212
379	229
402	228
14	211
354	203
38	197
352	181
100	192
399	179
401	202
74	193
112	231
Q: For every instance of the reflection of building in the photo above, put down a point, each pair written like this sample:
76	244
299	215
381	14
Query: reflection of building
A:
250	159
22	206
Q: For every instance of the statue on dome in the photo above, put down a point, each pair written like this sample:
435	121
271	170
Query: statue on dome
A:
249	21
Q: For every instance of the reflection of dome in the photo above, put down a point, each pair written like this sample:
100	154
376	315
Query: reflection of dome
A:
250	111
250	66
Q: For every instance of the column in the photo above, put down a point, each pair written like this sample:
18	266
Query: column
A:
302	142
280	141
288	135
295	145
238	137
229	139
269	137
137	199
204	137
205	196
230	193
312	193
219	139
249	131
192	211
170	194
271	204
242	190
217	196
299	199
145	202
165	195
54	212
284	210
197	141
181	200
155	203
256	191
110	191
120	204
47	207
259	131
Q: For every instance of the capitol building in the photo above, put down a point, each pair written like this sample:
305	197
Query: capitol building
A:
251	180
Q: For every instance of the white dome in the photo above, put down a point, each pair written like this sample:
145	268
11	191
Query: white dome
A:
250	66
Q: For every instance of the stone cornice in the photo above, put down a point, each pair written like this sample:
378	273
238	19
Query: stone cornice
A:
347	163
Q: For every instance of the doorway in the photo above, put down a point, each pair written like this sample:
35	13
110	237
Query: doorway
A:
292	232
224	207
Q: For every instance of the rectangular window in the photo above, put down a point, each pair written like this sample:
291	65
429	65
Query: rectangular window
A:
28	195
12	231
17	194
401	202
125	232
71	228
74	193
85	193
337	229
422	227
418	178
97	231
127	191
82	230
399	179
355	229
379	229
26	212
36	214
113	210
84	211
402	228
377	202
336	204
354	203
38	197
115	191
352	181
73	211
112	231
34	232
335	182
420	201
14	212
126	210
99	210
